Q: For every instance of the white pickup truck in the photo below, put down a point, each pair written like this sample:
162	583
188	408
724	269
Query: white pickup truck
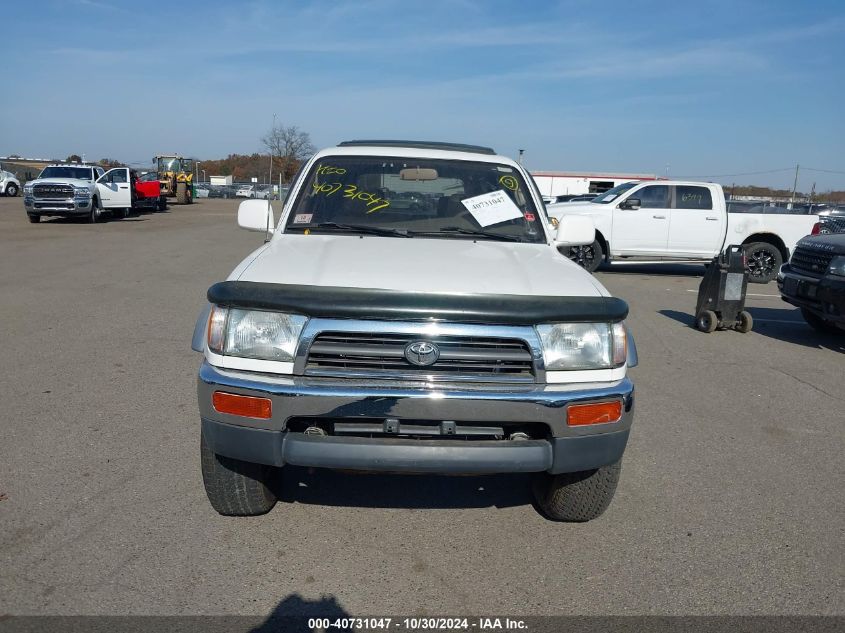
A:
674	220
410	312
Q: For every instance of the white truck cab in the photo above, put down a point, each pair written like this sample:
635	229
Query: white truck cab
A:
676	220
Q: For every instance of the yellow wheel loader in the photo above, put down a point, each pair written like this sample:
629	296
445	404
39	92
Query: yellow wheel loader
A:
176	175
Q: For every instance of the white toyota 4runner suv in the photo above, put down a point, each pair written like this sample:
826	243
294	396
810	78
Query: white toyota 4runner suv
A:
411	313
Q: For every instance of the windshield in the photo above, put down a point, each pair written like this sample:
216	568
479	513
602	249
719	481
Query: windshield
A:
169	164
416	197
79	173
611	194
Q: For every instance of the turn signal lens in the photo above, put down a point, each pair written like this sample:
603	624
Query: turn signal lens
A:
598	413
620	344
217	328
244	406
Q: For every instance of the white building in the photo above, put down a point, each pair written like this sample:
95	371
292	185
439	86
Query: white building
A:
220	180
559	183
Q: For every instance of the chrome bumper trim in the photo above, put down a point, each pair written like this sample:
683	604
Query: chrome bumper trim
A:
304	396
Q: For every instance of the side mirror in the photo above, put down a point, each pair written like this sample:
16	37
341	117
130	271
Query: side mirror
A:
575	230
631	203
256	215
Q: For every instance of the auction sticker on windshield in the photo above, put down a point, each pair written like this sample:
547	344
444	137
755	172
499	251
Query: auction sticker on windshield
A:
492	208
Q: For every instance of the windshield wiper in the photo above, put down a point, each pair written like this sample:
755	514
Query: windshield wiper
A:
462	231
360	228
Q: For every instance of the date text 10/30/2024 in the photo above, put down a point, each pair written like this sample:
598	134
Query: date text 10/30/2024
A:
418	623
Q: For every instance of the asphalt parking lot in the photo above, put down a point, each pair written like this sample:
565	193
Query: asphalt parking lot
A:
730	500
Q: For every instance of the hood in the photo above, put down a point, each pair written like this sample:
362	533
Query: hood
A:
833	243
420	264
574	208
77	182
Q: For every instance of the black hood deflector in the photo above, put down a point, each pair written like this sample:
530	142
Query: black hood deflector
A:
399	305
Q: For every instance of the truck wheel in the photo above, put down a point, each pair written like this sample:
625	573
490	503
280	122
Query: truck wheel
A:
577	497
162	203
181	193
96	214
34	218
707	321
819	324
588	257
233	487
11	190
746	322
764	262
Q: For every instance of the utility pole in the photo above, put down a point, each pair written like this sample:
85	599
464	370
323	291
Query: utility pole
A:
272	131
521	152
795	184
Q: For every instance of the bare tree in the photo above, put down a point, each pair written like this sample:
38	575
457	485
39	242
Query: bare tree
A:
289	145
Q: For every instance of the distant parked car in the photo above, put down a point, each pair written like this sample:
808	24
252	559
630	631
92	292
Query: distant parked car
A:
569	197
245	191
585	197
261	192
9	185
222	191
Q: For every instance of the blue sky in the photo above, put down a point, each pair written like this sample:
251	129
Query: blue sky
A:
707	88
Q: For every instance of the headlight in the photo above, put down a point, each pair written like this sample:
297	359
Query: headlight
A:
254	333
27	188
583	345
837	266
82	193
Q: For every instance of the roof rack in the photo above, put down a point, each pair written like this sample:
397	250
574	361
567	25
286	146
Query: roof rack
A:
453	147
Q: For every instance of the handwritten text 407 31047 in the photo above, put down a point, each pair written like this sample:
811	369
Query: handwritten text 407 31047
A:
373	202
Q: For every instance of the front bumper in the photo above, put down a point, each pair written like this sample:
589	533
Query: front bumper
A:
560	449
823	296
60	207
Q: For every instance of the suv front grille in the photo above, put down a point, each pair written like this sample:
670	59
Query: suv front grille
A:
833	224
336	353
810	260
52	191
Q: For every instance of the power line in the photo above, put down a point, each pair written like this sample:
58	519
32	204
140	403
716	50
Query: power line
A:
824	171
751	173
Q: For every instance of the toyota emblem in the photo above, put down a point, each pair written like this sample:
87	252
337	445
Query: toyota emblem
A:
422	353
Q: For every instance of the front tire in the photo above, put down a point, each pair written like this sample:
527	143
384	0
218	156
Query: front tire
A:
234	487
11	190
96	214
34	218
764	262
181	193
577	497
587	257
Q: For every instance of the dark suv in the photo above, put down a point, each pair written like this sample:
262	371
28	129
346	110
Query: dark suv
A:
814	280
